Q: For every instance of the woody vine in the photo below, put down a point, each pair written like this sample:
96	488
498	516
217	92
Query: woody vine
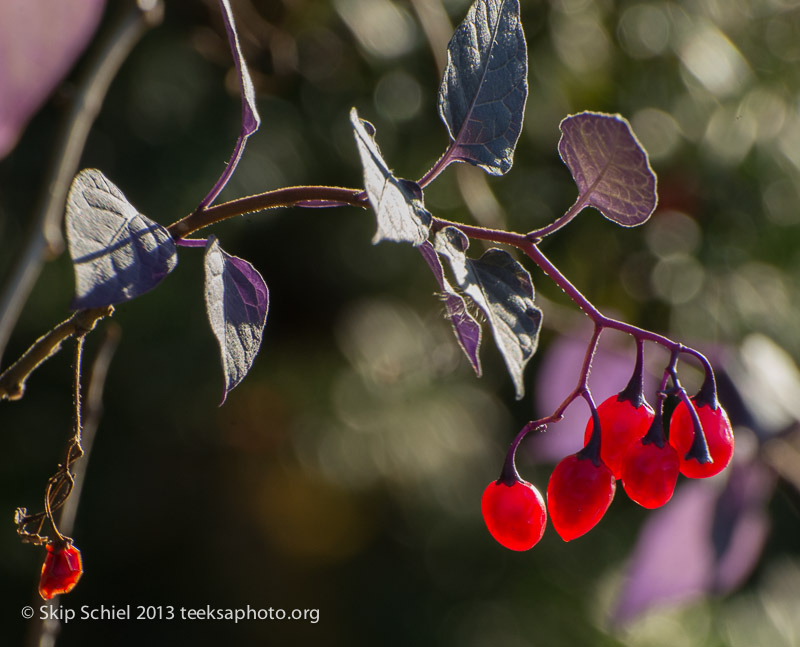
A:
119	254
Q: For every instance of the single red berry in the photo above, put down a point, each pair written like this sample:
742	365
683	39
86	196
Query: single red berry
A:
578	495
61	570
719	438
621	423
649	473
515	515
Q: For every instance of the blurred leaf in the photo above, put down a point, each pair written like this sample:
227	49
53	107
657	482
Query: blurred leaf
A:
673	559
703	541
741	524
609	166
118	253
39	43
503	289
397	203
485	85
237	300
466	329
250	119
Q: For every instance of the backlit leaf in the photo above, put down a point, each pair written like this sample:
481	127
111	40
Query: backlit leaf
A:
237	301
117	253
503	290
609	166
703	541
466	329
485	85
397	203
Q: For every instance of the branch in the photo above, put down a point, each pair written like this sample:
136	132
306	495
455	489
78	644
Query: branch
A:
293	196
12	380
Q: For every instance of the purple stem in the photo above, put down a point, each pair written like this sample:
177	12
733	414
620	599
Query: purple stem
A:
592	449
699	447
579	390
634	392
285	197
191	242
441	164
537	234
321	196
226	175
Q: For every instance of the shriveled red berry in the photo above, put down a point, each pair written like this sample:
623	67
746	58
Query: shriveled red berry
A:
515	515
578	495
61	570
719	437
621	423
649	473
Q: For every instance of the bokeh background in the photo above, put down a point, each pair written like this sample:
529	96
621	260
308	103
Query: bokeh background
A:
345	473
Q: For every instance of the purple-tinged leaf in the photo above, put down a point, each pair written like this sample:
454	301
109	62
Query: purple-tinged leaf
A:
118	253
485	86
397	203
503	290
39	43
609	166
673	561
704	541
741	524
237	300
250	118
466	329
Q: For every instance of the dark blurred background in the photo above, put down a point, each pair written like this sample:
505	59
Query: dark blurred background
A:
345	473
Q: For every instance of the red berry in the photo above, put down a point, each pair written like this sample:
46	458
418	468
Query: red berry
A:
620	424
61	571
578	495
649	473
515	515
718	433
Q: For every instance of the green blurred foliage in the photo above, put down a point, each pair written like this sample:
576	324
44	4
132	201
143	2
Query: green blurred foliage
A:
345	473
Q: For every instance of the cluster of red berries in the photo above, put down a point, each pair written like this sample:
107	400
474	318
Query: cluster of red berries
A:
61	570
631	447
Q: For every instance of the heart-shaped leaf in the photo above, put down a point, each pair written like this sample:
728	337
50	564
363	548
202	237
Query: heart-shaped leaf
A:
467	330
397	203
485	86
503	290
237	301
609	166
118	253
250	118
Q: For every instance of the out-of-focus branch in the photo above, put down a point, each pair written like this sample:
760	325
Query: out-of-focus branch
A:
45	239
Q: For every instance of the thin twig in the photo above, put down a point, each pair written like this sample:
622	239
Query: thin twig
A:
12	380
92	411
